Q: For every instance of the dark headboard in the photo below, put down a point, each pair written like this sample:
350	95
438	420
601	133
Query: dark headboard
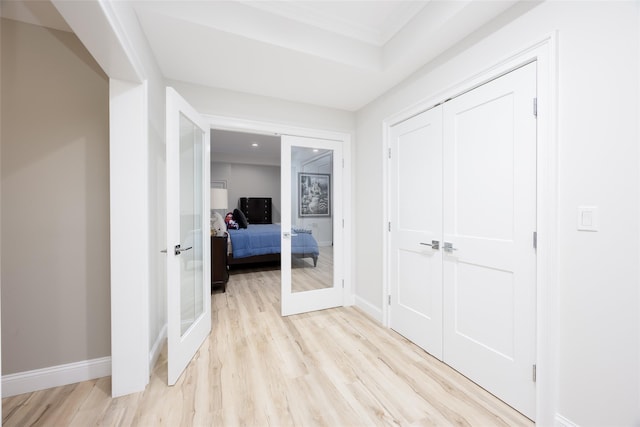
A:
256	209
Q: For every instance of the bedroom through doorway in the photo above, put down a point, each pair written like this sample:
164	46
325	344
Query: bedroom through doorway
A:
248	167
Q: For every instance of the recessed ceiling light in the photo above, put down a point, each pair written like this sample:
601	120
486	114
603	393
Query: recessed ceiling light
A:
255	144
315	150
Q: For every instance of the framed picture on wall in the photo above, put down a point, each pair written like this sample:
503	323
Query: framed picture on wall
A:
222	183
314	194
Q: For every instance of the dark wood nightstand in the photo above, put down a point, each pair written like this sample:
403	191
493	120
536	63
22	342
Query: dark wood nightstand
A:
219	269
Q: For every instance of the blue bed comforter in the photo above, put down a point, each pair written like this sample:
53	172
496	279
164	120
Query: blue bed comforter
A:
263	239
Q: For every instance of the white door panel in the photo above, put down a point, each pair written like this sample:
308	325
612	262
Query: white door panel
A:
311	193
188	270
464	174
416	221
489	219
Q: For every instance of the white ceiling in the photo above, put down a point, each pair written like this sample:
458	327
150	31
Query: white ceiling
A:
340	54
238	147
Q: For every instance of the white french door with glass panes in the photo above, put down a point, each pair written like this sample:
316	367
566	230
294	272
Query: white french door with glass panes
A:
188	270
463	211
311	224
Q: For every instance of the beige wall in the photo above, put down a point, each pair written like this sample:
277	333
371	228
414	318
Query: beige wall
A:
55	200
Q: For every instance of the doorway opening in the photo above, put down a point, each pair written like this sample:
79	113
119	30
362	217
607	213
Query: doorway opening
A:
283	213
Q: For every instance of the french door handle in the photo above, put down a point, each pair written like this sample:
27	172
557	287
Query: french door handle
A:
434	244
178	250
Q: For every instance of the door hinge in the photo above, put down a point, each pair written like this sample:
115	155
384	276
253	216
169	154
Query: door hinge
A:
389	225
535	107
342	163
534	373
535	240
389	300
342	283
343	223
389	152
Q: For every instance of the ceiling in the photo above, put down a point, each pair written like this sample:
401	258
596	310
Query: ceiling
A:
240	147
338	54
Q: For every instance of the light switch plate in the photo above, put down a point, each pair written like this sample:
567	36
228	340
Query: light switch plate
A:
588	218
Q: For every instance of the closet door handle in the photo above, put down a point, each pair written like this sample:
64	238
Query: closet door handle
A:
434	244
448	247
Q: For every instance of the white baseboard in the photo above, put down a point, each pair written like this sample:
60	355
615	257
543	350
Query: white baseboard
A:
154	353
561	421
369	308
55	376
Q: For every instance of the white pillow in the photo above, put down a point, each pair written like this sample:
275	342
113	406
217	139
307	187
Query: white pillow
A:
218	226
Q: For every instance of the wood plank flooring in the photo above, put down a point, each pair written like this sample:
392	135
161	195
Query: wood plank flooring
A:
307	277
329	368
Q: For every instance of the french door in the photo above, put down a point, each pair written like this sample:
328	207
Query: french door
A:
188	272
311	224
462	265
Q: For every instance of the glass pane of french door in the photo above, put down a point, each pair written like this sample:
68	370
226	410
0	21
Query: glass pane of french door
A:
311	240
311	219
191	207
188	302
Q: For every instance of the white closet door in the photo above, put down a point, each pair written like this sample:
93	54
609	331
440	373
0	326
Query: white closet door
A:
416	230
489	220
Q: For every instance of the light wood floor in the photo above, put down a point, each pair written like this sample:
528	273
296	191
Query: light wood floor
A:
329	368
307	277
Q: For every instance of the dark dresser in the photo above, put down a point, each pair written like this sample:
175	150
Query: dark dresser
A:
256	209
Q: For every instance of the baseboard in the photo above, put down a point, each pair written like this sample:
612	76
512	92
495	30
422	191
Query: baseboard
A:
561	421
55	376
369	308
154	353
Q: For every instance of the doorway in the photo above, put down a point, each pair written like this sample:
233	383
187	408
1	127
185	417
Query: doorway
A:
320	159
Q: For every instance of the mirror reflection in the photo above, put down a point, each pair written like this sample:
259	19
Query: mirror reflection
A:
311	219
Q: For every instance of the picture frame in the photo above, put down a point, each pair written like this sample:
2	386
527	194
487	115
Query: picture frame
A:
314	194
220	183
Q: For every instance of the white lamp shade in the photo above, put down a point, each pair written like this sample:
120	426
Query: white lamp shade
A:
219	199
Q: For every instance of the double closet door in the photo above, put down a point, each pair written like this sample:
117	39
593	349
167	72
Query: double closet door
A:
463	218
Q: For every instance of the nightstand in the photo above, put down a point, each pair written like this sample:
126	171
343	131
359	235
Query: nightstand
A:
219	269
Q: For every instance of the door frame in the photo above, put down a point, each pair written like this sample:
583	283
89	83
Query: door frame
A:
278	129
544	52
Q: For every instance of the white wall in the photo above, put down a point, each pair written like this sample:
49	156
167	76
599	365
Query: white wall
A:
227	103
250	181
598	165
156	112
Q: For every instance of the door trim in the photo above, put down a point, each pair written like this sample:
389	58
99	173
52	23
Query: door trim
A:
262	127
544	52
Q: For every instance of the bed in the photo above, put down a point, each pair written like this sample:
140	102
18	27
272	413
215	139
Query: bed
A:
261	242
